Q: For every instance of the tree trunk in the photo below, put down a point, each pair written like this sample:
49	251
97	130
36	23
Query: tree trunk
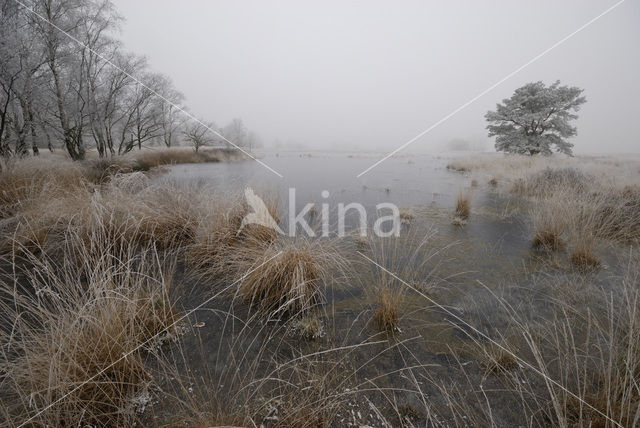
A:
4	146
72	138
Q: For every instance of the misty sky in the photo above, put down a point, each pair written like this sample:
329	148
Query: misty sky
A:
373	74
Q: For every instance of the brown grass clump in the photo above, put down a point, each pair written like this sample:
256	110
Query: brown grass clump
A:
585	259
499	361
463	209
386	315
406	216
404	264
76	355
552	219
616	213
102	169
548	240
168	215
218	238
287	275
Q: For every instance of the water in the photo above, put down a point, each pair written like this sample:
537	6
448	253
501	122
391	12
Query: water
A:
405	181
467	266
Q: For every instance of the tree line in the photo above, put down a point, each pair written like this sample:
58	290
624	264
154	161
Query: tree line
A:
66	81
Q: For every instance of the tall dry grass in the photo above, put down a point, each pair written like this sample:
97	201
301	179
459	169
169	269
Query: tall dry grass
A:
462	210
507	169
77	330
578	203
150	158
95	298
129	208
292	276
220	237
411	258
591	354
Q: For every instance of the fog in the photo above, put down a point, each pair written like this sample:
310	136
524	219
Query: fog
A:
372	75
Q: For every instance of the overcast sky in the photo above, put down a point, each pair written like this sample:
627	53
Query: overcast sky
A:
373	74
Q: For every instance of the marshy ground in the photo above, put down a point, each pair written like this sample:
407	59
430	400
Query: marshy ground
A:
510	298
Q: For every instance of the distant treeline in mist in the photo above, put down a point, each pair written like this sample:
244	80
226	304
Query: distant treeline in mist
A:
57	92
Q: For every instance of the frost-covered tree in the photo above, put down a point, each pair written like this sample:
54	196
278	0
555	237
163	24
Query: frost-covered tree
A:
535	120
86	91
198	134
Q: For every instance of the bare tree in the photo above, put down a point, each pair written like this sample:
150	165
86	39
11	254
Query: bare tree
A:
172	118
235	132
56	91
198	135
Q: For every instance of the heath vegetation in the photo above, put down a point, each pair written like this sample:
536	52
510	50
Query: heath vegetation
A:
132	294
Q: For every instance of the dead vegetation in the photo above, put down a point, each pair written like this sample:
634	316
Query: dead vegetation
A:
404	265
498	360
386	314
288	275
99	288
462	210
151	158
548	240
577	202
77	348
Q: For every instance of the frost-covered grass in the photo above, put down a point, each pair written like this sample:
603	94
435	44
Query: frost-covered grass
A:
580	200
507	169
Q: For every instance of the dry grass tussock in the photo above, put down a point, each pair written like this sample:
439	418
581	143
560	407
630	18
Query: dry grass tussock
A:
462	210
220	237
581	221
497	360
549	225
76	336
386	315
25	182
289	275
409	259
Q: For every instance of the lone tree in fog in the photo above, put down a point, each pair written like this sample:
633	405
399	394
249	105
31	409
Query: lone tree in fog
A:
535	119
